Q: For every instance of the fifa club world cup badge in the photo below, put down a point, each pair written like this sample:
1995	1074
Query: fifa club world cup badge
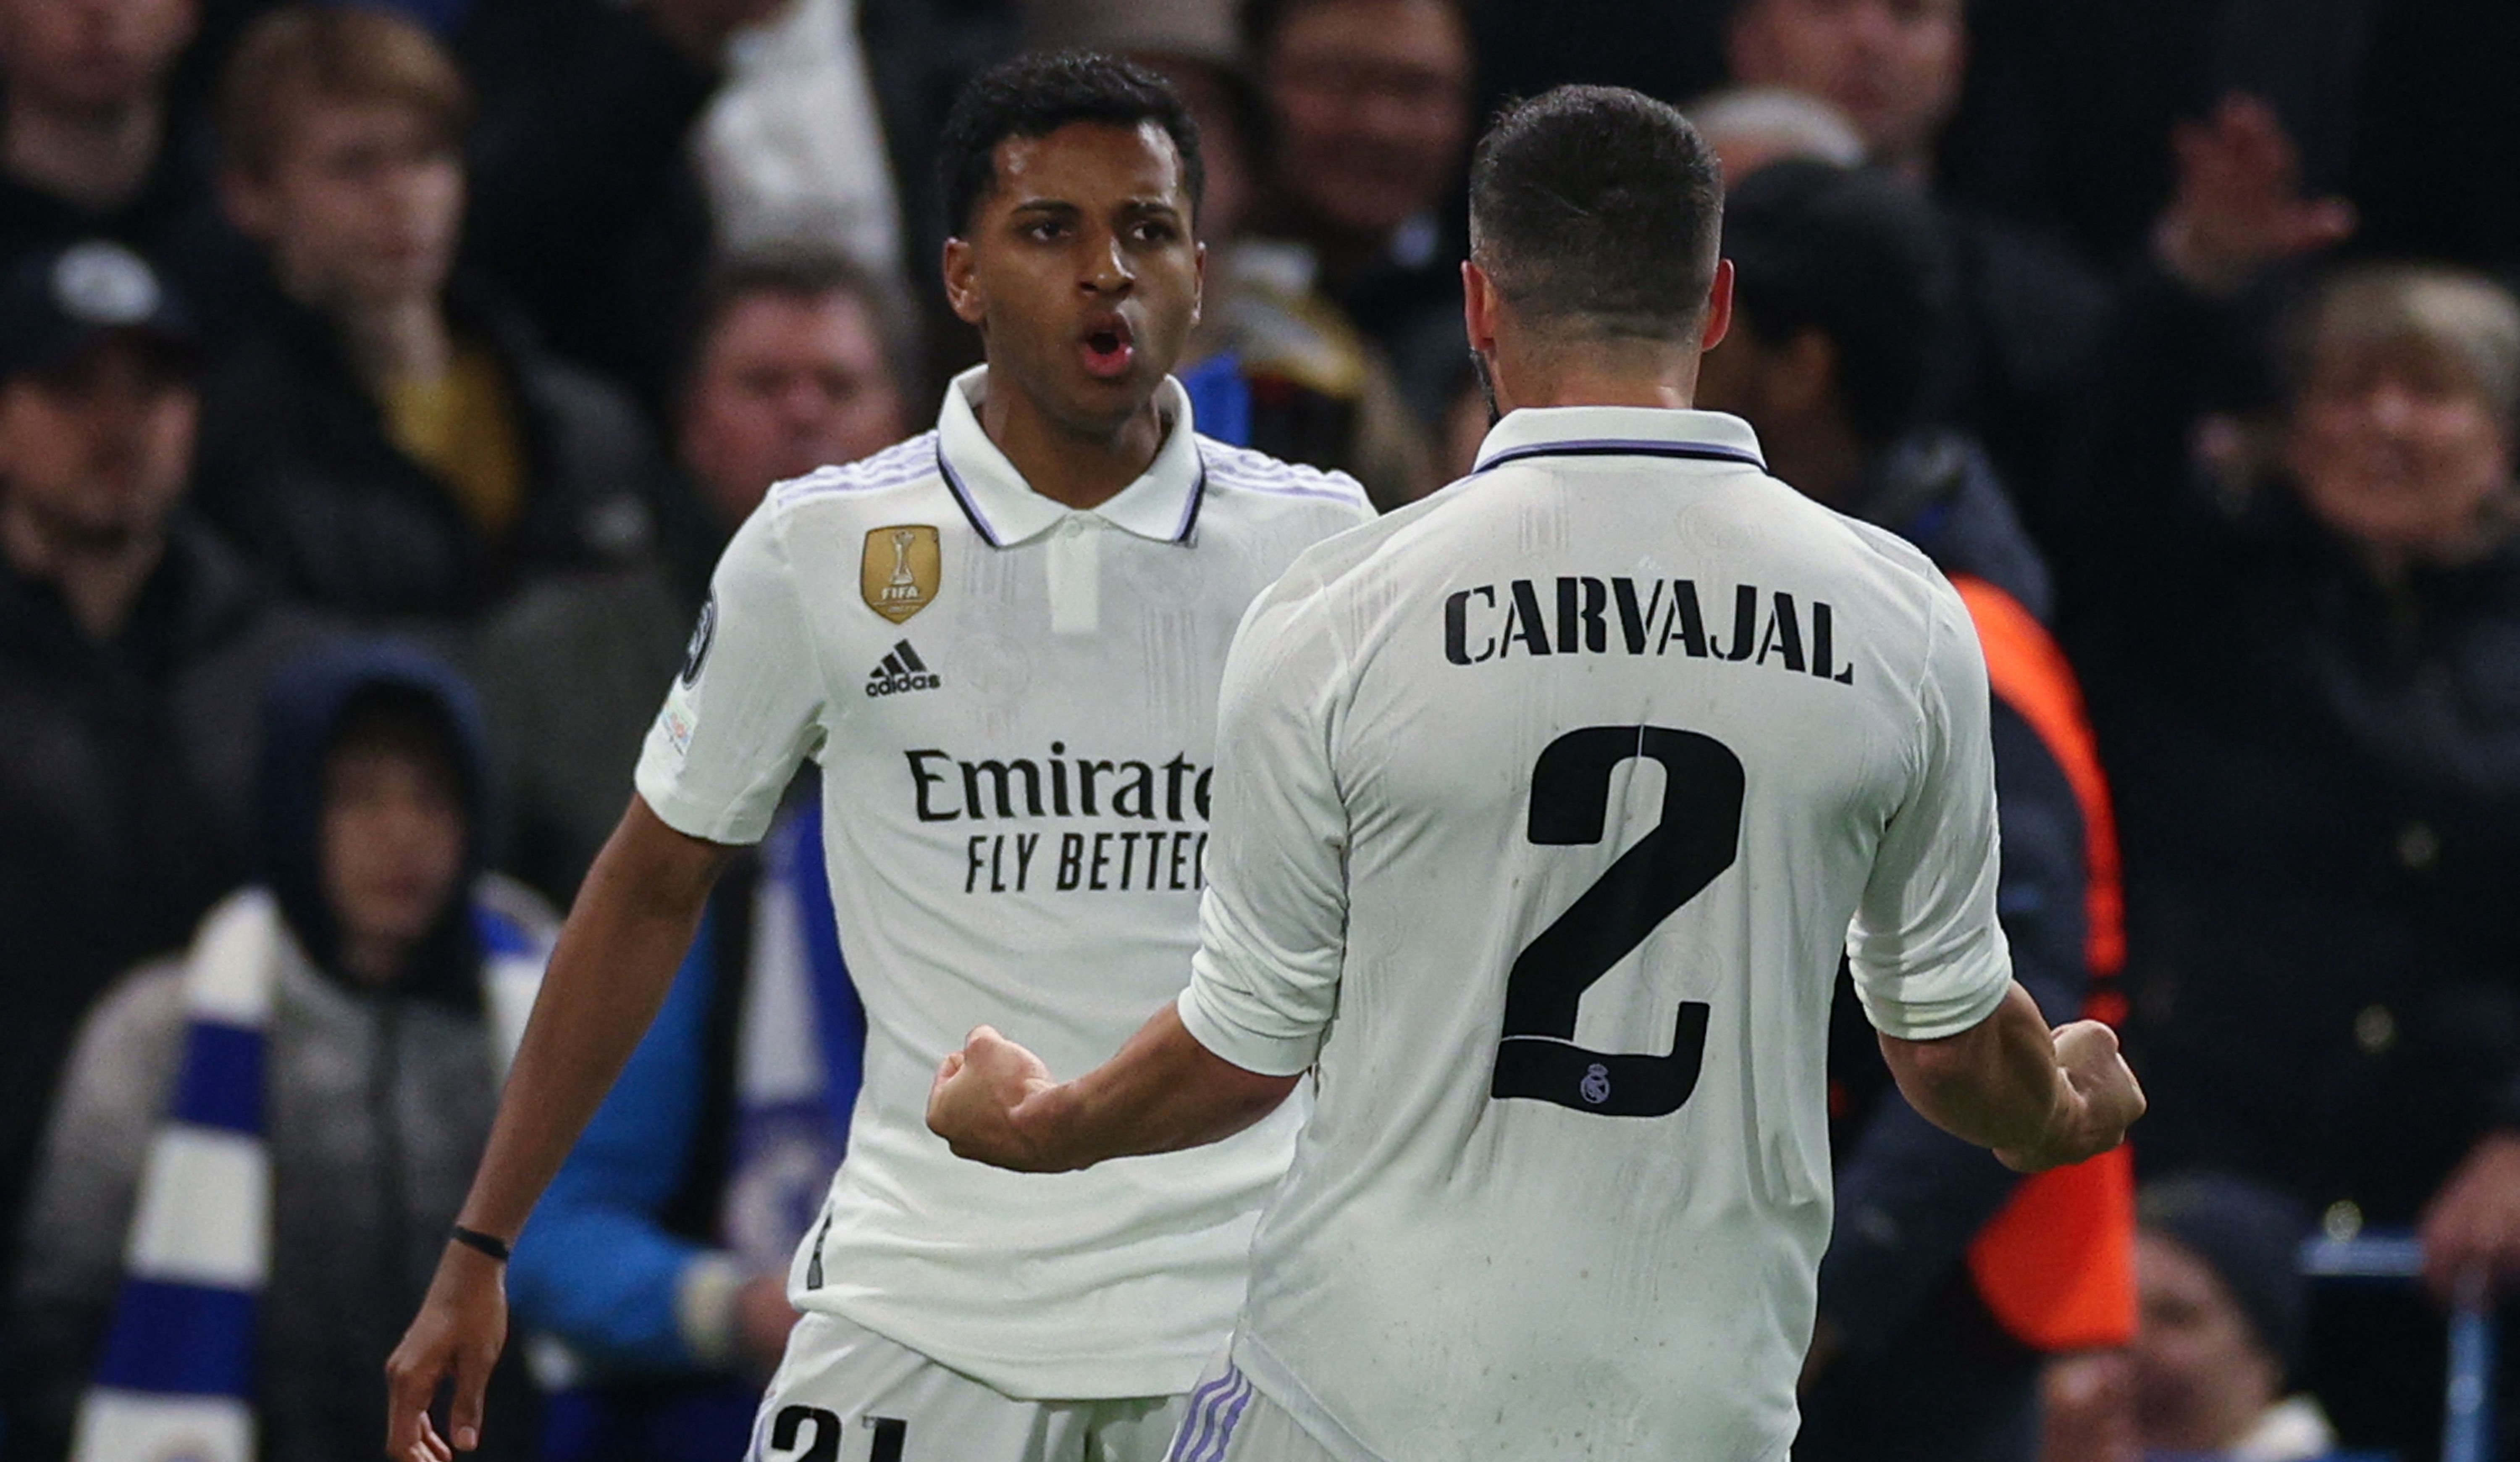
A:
899	571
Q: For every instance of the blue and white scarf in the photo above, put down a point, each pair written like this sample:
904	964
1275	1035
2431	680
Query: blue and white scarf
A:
800	1048
175	1381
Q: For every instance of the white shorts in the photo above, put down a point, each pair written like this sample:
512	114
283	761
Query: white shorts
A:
1225	1420
844	1393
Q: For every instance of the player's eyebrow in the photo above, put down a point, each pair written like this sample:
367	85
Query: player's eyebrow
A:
1054	205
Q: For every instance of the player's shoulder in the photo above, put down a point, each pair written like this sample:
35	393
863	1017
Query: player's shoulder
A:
1240	479
905	466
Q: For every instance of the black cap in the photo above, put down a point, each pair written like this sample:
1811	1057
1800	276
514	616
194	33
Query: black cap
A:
2250	1236
56	301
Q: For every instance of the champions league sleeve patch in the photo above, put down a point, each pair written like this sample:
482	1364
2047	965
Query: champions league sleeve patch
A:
703	633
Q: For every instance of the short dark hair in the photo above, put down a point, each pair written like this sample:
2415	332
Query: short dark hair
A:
800	269
1857	256
1594	210
1035	95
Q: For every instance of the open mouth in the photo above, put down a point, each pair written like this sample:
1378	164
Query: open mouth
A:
1108	349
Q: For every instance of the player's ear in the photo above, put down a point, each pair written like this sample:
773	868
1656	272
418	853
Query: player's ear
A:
1719	307
963	283
1478	306
1197	281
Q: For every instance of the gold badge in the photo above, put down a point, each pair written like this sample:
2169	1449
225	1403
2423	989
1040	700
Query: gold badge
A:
899	571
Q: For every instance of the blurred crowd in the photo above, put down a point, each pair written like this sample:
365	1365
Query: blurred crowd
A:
378	383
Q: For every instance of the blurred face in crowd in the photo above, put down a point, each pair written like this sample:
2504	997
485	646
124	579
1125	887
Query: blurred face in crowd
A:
394	828
2201	1379
2394	446
1893	67
360	206
1372	99
786	384
1080	270
91	56
94	452
1226	199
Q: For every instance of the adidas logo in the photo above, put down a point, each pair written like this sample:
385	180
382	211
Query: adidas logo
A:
901	672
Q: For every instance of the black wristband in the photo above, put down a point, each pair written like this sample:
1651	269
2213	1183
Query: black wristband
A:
473	1239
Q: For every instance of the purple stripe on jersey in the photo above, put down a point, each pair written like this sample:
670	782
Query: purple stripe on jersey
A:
859	484
962	496
1197	493
1292	487
1182	1444
1201	1425
1697	452
1231	1419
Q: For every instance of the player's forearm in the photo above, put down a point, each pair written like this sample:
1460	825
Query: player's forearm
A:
1162	1092
617	956
1996	1084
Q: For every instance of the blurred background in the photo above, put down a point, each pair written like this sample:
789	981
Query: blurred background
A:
379	382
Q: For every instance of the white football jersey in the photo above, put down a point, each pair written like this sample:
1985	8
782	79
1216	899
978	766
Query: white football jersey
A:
1544	810
1013	707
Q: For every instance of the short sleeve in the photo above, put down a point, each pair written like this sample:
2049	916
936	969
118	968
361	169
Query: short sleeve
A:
747	708
1273	923
1928	955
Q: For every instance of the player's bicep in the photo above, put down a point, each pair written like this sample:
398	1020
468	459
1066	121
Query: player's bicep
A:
1928	953
1272	925
748	705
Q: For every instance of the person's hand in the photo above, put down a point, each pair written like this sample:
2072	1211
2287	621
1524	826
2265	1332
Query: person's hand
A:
2471	1233
701	27
978	1089
762	1319
2237	206
458	1334
2103	1099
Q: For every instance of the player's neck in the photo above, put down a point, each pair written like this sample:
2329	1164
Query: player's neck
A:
1077	467
1536	369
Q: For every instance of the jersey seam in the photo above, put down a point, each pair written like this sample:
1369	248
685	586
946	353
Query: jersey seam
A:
830	699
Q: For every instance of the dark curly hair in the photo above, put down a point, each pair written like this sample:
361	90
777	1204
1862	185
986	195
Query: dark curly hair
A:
1035	95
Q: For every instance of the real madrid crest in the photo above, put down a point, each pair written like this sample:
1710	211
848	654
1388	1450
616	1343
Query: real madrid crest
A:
899	571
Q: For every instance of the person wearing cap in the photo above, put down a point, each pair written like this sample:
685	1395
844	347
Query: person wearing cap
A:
1946	1280
92	143
2225	1310
133	646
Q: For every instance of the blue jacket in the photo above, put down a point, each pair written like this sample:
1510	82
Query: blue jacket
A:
603	1262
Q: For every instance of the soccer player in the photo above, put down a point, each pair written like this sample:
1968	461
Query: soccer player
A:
1002	641
1544	808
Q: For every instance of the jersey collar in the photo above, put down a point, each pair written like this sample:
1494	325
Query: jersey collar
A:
1162	504
1619	432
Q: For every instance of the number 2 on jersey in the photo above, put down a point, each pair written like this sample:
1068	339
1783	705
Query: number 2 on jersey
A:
1697	837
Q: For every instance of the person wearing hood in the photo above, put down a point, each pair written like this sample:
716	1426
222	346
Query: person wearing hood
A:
260	1144
1940	1292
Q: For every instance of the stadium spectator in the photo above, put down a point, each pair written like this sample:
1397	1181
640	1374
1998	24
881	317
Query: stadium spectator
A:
388	441
132	650
1370	117
1933	1321
1273	364
2029	314
2302	668
90	145
2224	1316
800	360
344	1021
